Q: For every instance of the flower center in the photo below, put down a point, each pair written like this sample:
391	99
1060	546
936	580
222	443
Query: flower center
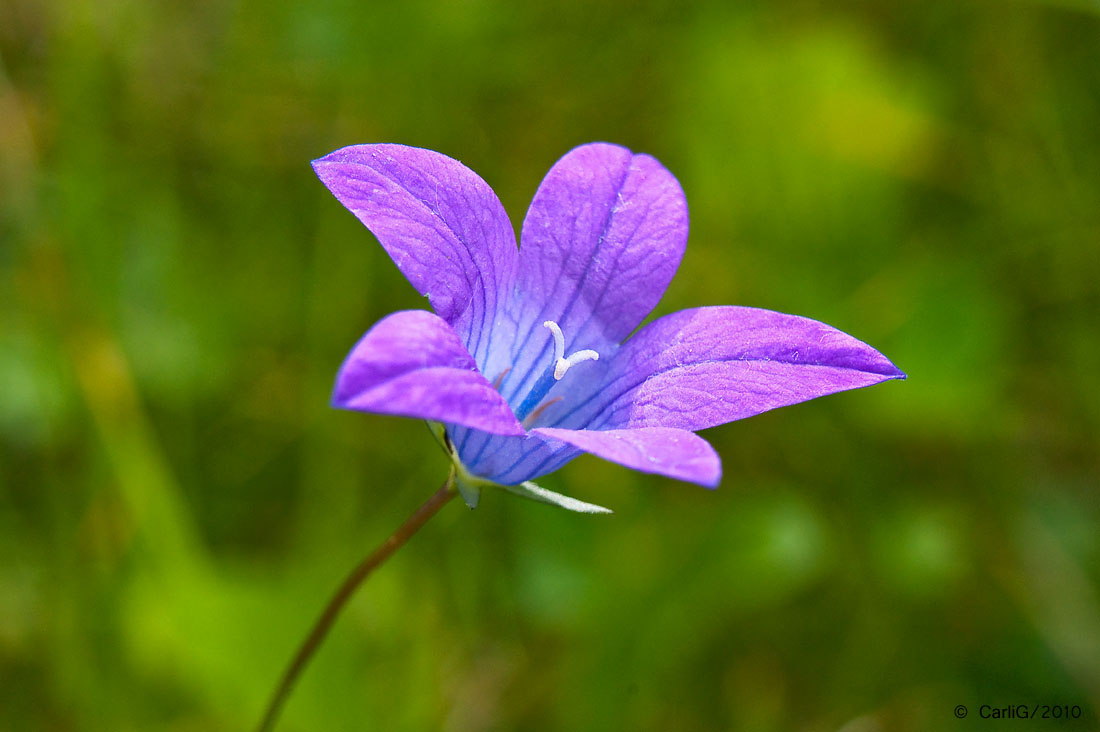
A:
562	364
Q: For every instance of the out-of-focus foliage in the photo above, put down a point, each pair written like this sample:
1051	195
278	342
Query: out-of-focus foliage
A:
177	291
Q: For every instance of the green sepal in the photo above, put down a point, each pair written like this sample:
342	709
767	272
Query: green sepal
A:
538	493
470	492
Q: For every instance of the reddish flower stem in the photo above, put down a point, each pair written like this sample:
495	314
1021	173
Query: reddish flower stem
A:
344	593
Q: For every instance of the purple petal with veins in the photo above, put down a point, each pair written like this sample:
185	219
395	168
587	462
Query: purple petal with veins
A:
413	364
441	224
704	367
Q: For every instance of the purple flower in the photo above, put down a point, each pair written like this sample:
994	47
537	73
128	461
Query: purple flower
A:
524	364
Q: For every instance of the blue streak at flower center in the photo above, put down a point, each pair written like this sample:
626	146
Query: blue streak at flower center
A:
551	376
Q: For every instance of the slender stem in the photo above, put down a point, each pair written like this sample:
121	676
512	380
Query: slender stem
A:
347	589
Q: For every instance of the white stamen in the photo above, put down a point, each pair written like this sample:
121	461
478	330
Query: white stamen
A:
561	362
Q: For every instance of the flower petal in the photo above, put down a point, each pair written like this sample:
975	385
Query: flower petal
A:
413	364
707	366
602	239
441	224
676	453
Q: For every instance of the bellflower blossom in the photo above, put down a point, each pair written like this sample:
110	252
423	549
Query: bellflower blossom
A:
524	365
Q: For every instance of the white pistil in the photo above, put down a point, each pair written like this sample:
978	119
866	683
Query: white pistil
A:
563	363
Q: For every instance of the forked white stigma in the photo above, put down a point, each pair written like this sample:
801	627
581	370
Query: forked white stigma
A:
562	363
559	340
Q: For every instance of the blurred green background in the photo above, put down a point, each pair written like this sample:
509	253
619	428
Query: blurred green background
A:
177	290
